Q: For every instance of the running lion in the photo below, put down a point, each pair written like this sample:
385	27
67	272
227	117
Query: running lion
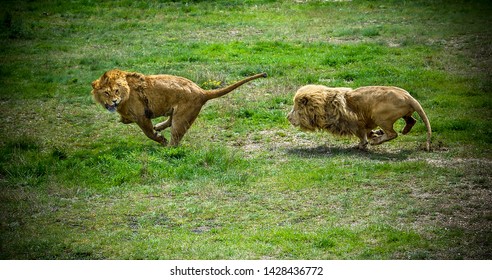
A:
344	111
139	99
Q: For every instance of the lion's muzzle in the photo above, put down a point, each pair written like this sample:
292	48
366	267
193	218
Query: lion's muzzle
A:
112	107
292	118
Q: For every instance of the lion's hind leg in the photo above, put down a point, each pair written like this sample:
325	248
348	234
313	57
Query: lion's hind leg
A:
410	122
389	134
181	122
163	125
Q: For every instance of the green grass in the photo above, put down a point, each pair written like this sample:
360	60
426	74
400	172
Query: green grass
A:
77	184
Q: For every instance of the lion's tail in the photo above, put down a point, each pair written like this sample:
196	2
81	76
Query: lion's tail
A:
418	108
211	94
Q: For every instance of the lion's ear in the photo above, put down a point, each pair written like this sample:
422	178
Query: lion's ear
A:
304	101
95	84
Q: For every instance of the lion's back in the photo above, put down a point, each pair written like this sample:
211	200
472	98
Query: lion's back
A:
172	88
381	95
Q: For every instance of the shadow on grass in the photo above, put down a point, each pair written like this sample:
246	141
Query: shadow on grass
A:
324	151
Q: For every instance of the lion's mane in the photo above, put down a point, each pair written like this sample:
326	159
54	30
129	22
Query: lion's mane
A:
323	108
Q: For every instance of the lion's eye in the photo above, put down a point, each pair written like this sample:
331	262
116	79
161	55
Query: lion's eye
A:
117	92
106	93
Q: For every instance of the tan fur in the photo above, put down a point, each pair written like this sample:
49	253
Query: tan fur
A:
356	112
139	98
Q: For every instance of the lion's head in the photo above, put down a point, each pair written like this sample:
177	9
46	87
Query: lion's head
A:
317	107
113	88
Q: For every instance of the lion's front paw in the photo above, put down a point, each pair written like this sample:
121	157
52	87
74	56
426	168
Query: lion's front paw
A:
163	141
375	133
376	140
160	139
362	146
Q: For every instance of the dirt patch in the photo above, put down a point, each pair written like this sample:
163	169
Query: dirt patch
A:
462	208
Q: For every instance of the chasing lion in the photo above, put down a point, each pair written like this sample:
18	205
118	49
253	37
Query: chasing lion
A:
139	99
344	111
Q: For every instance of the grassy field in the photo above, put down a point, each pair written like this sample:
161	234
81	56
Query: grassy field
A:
77	184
